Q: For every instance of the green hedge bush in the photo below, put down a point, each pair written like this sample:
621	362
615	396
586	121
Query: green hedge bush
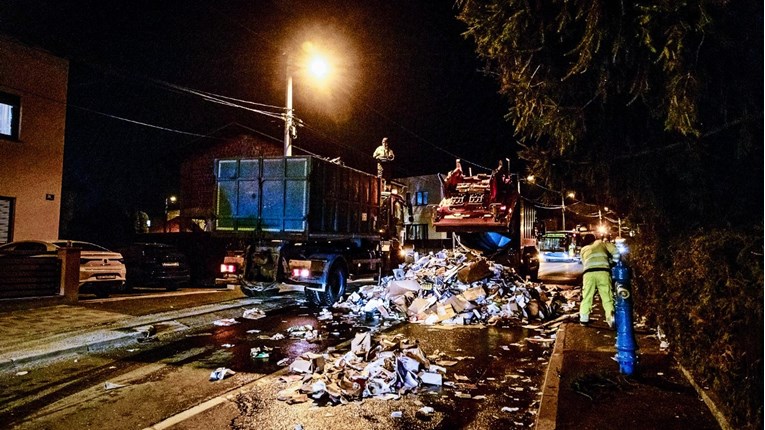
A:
705	290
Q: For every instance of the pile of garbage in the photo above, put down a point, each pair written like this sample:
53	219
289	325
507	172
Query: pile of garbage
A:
452	287
387	368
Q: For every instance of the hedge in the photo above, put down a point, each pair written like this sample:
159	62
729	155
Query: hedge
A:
705	290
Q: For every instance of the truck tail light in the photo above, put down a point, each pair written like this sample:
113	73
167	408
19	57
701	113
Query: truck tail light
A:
300	273
228	268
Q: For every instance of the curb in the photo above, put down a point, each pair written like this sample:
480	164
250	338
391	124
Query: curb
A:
116	335
548	407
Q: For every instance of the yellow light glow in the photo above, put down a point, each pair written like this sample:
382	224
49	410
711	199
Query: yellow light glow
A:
602	229
571	194
319	67
530	178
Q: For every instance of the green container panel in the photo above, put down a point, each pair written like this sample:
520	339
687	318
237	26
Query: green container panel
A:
304	195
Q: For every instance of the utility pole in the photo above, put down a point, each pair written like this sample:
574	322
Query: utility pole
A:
289	115
563	208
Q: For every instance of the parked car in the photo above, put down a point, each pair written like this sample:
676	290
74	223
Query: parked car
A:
155	264
100	269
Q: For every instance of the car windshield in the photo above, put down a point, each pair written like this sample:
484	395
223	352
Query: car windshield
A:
85	246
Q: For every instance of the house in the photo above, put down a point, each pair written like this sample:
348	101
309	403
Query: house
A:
33	96
426	194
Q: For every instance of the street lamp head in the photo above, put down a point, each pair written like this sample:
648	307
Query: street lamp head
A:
319	67
571	194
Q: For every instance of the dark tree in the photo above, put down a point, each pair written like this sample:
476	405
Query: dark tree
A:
653	107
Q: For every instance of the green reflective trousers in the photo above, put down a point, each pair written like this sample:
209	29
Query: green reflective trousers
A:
600	281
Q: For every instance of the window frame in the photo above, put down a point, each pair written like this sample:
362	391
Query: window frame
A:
14	101
421	198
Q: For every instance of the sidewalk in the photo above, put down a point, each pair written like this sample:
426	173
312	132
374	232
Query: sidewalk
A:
584	390
33	336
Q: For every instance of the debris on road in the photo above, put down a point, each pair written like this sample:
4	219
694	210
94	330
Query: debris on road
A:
112	386
383	368
460	288
225	322
220	373
253	314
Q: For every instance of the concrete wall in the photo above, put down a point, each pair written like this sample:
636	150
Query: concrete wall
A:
32	166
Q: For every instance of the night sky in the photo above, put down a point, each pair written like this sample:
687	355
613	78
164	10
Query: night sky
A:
403	71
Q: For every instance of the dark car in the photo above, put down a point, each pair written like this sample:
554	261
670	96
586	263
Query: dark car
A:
155	265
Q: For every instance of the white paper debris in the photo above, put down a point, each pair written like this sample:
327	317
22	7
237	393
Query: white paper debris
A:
220	373
112	386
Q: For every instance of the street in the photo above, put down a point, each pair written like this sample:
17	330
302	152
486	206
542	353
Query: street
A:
552	272
143	384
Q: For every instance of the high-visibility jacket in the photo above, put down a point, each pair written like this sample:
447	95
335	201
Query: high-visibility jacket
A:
598	256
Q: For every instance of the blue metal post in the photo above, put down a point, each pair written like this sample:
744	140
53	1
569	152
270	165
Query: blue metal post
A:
625	335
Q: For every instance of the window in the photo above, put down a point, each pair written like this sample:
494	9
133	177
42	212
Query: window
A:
10	113
421	198
417	232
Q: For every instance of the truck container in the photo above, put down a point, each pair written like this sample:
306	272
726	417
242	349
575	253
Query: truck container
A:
307	221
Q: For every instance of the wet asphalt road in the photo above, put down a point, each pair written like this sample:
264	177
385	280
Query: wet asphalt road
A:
135	387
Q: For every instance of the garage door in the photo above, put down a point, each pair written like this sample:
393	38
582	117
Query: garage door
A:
6	219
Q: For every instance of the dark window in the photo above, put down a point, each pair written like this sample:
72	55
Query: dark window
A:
6	219
421	198
10	113
417	232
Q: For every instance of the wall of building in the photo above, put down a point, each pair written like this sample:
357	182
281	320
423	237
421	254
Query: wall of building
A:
31	167
423	214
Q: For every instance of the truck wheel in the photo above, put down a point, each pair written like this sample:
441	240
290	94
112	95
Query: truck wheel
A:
335	286
336	281
313	298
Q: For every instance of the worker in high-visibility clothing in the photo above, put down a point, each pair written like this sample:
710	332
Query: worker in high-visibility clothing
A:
597	256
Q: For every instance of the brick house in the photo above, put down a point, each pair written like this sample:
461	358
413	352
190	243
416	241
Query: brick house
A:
33	96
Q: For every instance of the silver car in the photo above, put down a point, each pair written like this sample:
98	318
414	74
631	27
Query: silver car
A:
100	269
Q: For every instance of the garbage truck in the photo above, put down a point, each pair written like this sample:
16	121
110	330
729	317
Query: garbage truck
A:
485	213
307	221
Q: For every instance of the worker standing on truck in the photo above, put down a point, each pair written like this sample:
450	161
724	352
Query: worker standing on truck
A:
384	155
597	256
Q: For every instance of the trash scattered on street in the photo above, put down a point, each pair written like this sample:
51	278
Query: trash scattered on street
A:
227	345
253	314
260	353
509	409
253	331
460	288
425	412
220	373
396	414
225	322
22	373
112	386
306	332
